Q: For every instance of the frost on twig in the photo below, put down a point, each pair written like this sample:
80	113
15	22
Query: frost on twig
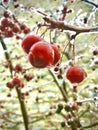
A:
63	26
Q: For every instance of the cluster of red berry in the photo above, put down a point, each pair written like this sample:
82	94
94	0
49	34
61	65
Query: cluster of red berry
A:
40	53
16	81
9	26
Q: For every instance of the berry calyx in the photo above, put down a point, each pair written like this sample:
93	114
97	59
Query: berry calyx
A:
41	55
28	41
57	54
76	74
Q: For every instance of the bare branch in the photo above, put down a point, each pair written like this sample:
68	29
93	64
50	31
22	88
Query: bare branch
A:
63	26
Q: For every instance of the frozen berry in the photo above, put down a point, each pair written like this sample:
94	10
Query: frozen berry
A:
76	74
41	55
28	41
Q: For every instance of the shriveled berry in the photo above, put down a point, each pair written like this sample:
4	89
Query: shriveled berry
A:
67	107
76	74
58	111
6	14
95	52
63	124
75	106
9	95
60	106
28	77
18	68
16	5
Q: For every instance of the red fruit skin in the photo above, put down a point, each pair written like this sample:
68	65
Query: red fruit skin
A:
10	84
16	29
16	81
57	54
9	33
28	77
5	22
27	30
76	74
41	55
6	14
28	41
18	68
23	26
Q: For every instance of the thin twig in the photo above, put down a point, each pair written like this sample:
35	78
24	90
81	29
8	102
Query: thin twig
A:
90	126
22	104
91	3
60	87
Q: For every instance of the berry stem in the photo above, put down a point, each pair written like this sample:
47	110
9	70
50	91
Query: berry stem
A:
22	104
73	51
60	87
90	126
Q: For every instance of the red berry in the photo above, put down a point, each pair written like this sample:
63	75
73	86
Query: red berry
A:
27	30
28	41
16	28
9	84
57	54
76	74
18	37
95	52
6	14
18	68
27	93
9	95
16	5
5	22
16	81
28	77
41	55
23	26
9	33
22	85
2	28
